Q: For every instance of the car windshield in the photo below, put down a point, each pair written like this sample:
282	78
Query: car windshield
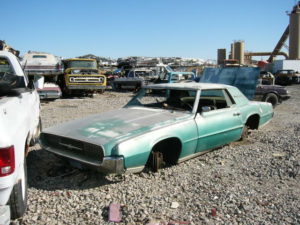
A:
82	64
168	99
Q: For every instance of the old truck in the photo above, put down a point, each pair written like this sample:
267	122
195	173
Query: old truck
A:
20	126
81	76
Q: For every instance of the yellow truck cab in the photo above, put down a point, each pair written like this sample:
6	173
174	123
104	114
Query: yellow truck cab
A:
82	76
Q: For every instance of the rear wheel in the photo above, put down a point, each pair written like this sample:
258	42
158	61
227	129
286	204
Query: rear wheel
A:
18	196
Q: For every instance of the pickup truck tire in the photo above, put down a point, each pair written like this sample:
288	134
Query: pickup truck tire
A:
272	98
18	196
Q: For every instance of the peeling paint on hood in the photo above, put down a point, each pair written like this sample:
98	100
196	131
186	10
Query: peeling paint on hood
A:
115	126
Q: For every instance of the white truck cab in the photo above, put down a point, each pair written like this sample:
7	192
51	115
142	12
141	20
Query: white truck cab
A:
20	126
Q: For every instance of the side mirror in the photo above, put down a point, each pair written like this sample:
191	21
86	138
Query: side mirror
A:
206	109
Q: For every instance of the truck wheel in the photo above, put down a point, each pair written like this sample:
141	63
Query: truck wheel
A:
272	98
18	196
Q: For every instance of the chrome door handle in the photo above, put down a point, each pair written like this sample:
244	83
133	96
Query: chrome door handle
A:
236	114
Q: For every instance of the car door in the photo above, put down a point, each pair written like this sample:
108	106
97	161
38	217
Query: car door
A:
218	119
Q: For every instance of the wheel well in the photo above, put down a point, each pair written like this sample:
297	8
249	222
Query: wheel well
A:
253	122
170	148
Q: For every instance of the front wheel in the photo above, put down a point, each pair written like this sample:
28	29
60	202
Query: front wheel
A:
18	196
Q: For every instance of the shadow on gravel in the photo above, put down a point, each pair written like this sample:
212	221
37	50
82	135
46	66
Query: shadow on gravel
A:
49	172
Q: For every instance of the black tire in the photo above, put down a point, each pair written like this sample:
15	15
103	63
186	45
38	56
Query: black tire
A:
272	98
18	196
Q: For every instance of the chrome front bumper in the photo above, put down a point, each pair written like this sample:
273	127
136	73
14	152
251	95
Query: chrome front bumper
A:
112	165
86	87
49	95
109	164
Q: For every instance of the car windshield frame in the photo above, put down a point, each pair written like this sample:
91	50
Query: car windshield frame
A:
170	99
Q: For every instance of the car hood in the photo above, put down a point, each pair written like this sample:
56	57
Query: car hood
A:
109	128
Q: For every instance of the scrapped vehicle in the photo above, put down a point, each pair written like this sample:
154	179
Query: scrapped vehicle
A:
273	94
111	76
47	90
135	79
167	75
267	78
41	63
81	76
247	80
44	68
20	126
157	128
287	77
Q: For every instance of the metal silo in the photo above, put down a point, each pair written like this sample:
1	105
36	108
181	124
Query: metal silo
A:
294	38
232	56
239	51
221	55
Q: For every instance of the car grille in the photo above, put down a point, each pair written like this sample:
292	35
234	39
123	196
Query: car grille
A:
86	79
74	147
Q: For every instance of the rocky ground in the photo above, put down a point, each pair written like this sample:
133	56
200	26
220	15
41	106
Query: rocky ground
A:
254	182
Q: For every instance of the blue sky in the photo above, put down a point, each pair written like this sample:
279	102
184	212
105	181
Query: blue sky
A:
119	28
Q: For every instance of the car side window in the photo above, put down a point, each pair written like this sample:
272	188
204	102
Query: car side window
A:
214	99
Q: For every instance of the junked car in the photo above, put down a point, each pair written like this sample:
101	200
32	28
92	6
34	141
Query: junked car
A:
287	77
41	63
135	79
157	128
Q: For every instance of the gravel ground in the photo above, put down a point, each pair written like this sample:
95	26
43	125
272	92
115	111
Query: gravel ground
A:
254	182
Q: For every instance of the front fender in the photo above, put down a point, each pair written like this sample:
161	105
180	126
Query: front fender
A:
136	150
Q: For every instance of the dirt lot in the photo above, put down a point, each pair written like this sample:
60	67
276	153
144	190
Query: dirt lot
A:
255	182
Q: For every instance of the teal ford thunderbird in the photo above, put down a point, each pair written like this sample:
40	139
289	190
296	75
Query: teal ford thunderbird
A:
163	124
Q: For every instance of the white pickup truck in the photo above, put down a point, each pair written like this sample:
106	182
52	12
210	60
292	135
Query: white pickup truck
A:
20	126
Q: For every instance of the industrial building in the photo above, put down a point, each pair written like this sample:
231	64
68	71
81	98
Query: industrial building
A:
292	58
